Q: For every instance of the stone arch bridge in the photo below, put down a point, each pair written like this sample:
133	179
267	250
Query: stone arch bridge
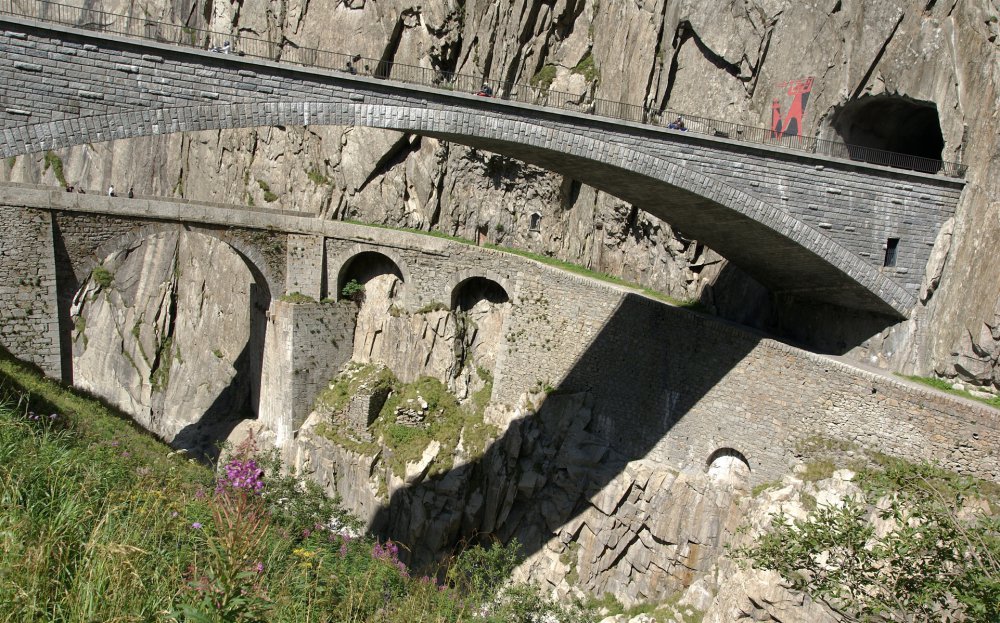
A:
652	380
804	226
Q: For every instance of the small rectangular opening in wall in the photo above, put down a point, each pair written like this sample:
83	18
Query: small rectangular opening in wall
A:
890	252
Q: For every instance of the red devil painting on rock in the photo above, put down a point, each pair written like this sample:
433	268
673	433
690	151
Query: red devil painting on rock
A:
790	123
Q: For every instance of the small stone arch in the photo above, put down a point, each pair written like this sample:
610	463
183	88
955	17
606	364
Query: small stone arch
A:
464	277
728	466
365	263
476	289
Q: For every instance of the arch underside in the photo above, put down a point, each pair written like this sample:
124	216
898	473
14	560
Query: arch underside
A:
783	253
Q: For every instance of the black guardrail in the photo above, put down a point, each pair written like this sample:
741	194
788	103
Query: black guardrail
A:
537	94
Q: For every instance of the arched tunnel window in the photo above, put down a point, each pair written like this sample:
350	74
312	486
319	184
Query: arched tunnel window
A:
729	466
893	124
476	289
366	266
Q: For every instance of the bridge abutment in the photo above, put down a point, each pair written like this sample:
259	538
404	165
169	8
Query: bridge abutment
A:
28	289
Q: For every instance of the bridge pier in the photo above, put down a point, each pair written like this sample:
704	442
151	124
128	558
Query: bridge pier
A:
305	345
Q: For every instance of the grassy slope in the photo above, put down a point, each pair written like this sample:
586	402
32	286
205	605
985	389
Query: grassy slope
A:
101	522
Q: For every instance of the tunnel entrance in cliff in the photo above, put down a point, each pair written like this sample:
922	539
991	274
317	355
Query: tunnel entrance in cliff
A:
871	126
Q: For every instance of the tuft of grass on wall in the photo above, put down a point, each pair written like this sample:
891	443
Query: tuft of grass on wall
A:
946	386
587	68
54	162
544	78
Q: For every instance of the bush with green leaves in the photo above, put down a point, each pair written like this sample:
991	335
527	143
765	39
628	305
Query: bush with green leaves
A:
353	291
939	559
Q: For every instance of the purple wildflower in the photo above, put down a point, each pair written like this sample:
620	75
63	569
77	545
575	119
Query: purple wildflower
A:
244	475
196	525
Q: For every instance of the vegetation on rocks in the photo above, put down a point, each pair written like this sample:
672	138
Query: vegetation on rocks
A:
297	297
102	276
56	164
445	420
99	521
919	543
353	291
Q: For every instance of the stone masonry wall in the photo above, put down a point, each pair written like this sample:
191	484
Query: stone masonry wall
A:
30	324
854	206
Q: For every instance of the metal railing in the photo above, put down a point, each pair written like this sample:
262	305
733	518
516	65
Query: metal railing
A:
536	93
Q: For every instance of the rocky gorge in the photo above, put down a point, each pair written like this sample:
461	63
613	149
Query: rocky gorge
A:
890	74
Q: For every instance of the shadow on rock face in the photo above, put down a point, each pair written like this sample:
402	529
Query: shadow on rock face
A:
566	475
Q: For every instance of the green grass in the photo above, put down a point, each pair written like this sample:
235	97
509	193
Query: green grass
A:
446	422
269	196
946	386
587	69
543	79
297	297
102	276
357	376
317	178
101	522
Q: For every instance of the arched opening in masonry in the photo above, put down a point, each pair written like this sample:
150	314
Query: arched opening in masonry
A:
476	290
890	123
370	269
729	466
185	315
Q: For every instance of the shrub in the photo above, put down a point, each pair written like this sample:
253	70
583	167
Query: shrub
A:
939	560
353	291
102	276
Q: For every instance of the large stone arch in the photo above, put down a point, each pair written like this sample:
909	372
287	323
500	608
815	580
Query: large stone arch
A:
785	253
253	258
172	300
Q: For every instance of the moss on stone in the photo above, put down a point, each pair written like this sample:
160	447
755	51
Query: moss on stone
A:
297	297
56	164
355	377
102	276
587	69
543	79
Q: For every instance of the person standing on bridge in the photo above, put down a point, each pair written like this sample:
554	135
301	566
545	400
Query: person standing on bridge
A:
111	191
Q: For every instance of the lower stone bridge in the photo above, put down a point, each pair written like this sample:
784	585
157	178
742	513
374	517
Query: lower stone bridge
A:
648	380
838	231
